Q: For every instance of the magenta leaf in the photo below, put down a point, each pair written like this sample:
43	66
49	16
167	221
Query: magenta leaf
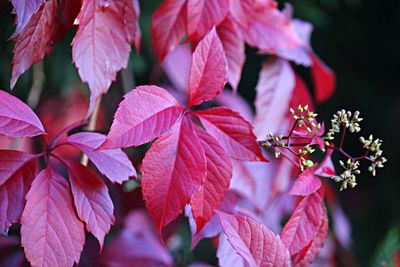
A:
205	14
254	241
274	92
92	201
304	223
113	163
306	184
144	114
13	192
17	119
25	9
173	170
219	173
51	233
307	257
208	71
168	26
34	41
136	245
178	74
232	132
324	79
11	162
240	11
102	43
227	256
233	44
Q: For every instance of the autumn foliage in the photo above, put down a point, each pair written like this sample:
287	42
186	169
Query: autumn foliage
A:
202	141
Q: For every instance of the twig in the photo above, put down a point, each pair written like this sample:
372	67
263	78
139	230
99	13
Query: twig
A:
37	85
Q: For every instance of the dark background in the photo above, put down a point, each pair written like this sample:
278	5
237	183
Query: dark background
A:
359	39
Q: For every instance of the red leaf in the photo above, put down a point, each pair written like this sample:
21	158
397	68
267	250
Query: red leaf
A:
241	10
232	132
227	255
173	170
254	241
324	79
25	9
102	43
136	245
112	163
304	223
270	30
208	71
233	44
10	163
203	15
92	201
316	244
17	119
219	174
168	26
274	92
306	184
51	234
35	40
13	191
179	74
144	114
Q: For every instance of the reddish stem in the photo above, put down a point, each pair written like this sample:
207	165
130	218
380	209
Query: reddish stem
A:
66	130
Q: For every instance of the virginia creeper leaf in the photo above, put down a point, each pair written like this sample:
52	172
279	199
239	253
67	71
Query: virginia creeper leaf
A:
144	114
304	223
11	161
219	173
274	92
35	40
25	9
92	201
324	79
208	71
203	15
168	26
101	45
232	132
51	233
17	119
178	74
233	44
306	184
309	255
113	163
12	193
227	256
254	241
240	10
173	169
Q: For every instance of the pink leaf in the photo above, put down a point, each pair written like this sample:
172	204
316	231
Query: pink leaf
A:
203	15
51	233
178	74
326	168
92	201
34	41
232	132
168	26
241	10
17	119
10	163
13	191
233	44
306	184
270	30
274	92
144	114
219	174
254	241
173	170
25	9
208	71
113	163
227	256
308	256
324	79
102	43
304	223
136	245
